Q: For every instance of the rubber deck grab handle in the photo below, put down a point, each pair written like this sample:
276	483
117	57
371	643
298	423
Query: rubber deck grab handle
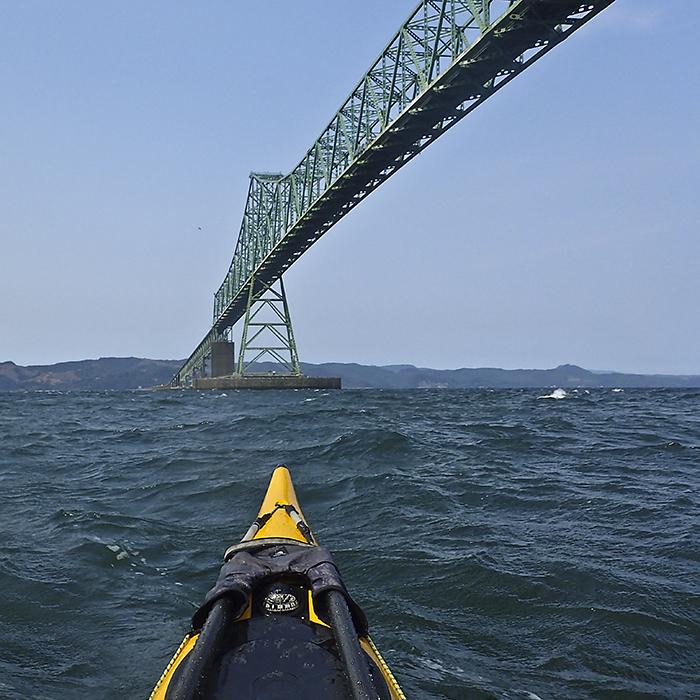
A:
348	645
200	658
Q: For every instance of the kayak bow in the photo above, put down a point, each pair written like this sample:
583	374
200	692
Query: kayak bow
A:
279	623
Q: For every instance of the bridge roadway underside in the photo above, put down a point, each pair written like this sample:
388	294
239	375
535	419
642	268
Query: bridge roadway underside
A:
435	111
266	381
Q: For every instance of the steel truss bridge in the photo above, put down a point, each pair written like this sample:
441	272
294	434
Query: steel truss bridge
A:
442	63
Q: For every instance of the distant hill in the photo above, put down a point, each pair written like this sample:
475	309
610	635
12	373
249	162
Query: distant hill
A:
105	373
565	376
135	373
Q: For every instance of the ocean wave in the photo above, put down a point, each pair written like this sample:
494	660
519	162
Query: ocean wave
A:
556	394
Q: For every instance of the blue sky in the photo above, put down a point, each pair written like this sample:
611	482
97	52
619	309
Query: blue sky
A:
557	223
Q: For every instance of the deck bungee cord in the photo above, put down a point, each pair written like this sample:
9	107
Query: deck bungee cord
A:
263	519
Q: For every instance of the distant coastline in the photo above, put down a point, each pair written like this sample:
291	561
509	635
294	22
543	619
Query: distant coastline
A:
140	373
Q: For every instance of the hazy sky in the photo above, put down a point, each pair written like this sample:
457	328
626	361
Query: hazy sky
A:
557	223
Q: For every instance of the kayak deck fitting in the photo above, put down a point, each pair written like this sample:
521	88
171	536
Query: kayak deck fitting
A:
279	623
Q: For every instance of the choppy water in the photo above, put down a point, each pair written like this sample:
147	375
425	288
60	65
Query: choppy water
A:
503	546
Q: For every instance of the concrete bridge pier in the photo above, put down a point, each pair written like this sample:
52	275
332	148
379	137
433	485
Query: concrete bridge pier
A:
222	359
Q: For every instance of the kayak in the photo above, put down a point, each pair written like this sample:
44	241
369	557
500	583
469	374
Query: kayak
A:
279	623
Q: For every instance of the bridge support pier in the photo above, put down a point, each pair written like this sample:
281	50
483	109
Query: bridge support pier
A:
267	331
267	381
222	359
268	337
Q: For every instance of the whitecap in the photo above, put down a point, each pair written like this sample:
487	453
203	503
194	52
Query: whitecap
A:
556	394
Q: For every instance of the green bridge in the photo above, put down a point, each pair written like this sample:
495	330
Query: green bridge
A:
443	62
